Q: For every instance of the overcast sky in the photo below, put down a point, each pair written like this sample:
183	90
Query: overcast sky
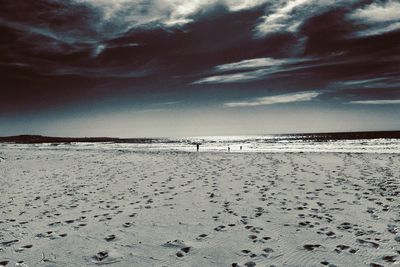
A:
133	68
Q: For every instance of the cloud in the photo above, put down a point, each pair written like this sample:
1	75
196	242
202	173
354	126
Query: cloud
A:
88	21
281	18
99	48
289	15
389	11
379	82
376	102
378	29
360	82
277	99
380	18
169	13
229	78
237	5
266	67
252	63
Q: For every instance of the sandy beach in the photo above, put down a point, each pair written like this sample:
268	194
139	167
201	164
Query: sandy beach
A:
61	207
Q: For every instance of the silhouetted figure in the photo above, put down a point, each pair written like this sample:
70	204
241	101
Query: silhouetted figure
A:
197	147
229	149
240	147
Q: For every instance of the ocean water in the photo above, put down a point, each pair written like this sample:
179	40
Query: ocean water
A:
345	143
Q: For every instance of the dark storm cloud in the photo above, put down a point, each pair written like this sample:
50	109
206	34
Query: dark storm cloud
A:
61	52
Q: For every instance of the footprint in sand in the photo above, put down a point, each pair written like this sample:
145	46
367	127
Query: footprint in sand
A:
201	237
183	252
390	259
368	243
9	243
311	247
127	224
110	238
23	248
183	248
220	228
104	258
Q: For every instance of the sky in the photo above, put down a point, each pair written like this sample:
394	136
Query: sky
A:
151	68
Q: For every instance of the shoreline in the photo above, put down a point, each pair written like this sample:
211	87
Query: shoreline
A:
192	150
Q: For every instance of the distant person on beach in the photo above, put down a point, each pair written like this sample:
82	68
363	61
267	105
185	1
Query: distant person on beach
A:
229	149
240	147
197	146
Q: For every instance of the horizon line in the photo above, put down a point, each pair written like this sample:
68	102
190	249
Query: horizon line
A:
170	137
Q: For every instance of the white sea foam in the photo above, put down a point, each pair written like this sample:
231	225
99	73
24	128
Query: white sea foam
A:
267	144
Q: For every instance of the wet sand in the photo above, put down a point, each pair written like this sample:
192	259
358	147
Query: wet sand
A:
92	207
